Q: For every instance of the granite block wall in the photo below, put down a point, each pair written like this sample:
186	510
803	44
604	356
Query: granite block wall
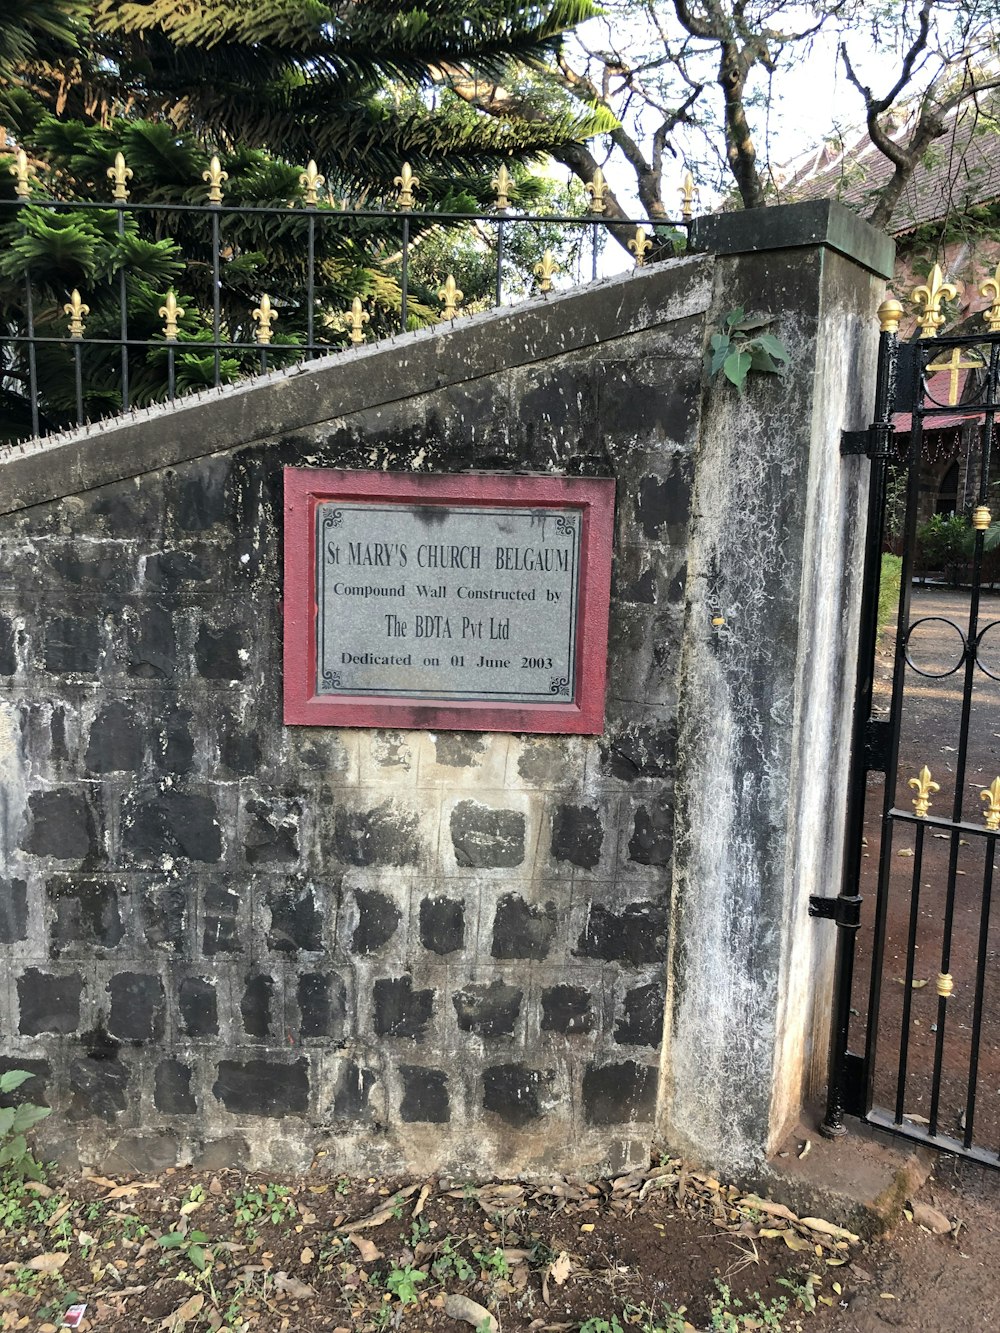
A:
226	940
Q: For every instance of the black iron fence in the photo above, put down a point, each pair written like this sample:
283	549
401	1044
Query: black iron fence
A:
109	306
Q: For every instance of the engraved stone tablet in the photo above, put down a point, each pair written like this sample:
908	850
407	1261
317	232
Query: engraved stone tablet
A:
447	601
462	601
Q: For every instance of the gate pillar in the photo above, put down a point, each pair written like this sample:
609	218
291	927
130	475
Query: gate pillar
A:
774	580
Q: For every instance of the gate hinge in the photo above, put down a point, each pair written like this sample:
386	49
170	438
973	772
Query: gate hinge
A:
875	442
845	911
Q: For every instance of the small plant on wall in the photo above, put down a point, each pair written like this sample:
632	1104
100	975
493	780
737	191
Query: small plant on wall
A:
744	345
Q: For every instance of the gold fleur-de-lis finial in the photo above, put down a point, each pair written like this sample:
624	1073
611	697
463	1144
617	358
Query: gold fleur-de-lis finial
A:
992	798
19	168
356	318
118	175
265	317
639	246
76	309
170	312
928	297
991	290
311	180
890	312
923	786
501	183
214	177
407	183
544	271
688	194
597	189
451	296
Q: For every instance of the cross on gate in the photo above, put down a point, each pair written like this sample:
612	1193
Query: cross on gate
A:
953	365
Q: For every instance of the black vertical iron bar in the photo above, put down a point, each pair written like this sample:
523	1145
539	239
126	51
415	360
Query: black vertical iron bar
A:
961	762
977	1010
29	310
914	394
885	393
216	294
593	252
311	287
171	374
263	360
78	375
123	313
404	275
911	941
499	289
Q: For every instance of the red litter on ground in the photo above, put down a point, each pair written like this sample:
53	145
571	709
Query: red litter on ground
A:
74	1316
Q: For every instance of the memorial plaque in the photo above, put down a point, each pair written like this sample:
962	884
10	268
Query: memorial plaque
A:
462	602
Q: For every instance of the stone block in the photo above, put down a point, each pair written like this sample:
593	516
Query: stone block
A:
634	750
199	1007
352	1096
567	1010
173	741
221	932
387	834
71	645
61	825
577	835
137	1007
99	1086
521	929
87	914
442	924
652	839
13	910
116	742
172	1093
425	1095
642	1024
35	1089
256	1004
168	824
486	838
271	832
48	1002
150	647
8	647
378	920
164	915
220	653
488	1010
322	1005
273	1088
296	919
401	1011
616	1093
634	935
514	1093
168	572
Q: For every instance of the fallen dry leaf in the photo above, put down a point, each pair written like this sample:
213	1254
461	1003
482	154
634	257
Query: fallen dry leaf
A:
292	1287
461	1307
184	1312
47	1263
560	1269
931	1218
307	1256
368	1250
828	1229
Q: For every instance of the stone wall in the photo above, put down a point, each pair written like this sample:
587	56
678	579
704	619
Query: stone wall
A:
228	940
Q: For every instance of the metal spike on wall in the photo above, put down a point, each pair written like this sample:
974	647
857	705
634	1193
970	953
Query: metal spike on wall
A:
923	786
357	317
639	246
22	171
544	271
689	192
597	189
501	183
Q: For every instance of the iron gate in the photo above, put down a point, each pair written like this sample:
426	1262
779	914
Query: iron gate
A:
916	1041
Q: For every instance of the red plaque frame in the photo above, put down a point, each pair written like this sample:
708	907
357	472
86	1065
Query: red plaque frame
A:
305	488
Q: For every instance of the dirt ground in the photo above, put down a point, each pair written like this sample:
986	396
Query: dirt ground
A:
661	1251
